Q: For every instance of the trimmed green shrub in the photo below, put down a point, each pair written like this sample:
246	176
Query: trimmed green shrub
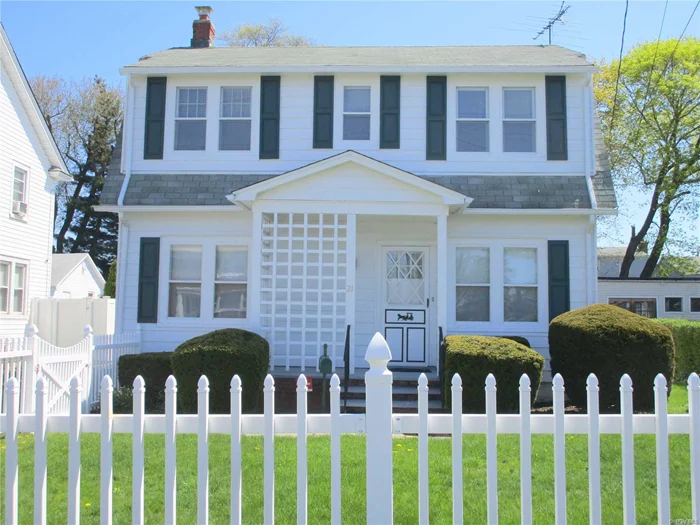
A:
686	335
609	341
518	339
220	355
154	367
474	357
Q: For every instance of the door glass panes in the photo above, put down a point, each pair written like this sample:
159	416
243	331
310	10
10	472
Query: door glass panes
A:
405	278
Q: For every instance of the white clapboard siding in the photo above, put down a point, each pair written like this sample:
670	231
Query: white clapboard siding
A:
378	424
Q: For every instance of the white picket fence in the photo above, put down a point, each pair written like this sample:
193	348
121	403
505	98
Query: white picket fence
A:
29	357
379	425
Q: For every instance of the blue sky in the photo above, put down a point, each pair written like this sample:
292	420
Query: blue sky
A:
79	39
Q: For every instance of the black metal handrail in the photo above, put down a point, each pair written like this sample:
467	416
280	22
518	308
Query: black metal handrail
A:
441	365
346	369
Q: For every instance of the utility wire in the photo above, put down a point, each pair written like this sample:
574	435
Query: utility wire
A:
619	65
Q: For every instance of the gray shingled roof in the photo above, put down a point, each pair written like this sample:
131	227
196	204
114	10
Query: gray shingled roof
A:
114	178
489	191
432	58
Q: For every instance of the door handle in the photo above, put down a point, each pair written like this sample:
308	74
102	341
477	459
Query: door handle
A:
427	302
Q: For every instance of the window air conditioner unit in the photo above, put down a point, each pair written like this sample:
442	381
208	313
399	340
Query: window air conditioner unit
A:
19	208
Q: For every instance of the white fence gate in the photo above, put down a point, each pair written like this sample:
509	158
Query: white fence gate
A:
27	358
379	424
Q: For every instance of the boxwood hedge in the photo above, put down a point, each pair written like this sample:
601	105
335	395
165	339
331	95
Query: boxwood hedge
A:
686	335
475	357
220	355
609	342
154	367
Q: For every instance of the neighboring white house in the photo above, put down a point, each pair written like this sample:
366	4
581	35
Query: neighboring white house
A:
74	276
656	297
30	166
402	190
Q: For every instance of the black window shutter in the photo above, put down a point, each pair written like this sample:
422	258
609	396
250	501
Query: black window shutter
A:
390	112
323	112
155	118
270	117
559	290
555	90
436	119
149	262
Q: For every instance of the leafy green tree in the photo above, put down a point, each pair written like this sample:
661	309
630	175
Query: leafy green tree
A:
650	116
85	118
272	34
111	282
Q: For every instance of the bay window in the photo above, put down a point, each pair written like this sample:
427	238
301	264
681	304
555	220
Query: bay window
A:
472	120
191	119
235	118
518	119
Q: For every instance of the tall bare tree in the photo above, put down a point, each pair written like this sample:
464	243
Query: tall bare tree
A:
84	117
272	34
650	110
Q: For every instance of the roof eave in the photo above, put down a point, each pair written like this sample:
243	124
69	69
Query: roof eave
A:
184	70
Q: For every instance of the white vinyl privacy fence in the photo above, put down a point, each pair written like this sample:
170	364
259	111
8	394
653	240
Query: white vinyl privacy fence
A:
29	357
379	424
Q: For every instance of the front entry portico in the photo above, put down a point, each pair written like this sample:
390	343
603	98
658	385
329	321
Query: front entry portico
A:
313	274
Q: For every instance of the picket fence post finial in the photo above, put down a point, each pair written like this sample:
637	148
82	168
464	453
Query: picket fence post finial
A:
524	383
301	383
378	355
203	384
694	381
456	383
423	382
490	383
236	385
31	331
171	384
592	383
88	331
335	383
626	383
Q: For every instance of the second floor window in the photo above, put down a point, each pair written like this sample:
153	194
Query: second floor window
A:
235	118
472	119
19	192
191	119
356	113
519	120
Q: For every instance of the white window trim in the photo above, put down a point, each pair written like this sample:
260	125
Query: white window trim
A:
193	119
690	305
206	319
27	178
497	325
222	118
487	119
10	291
341	82
681	311
533	90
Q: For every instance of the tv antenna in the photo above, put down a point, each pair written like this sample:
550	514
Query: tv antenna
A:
556	18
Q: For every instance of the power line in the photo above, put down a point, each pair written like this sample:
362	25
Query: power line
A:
619	65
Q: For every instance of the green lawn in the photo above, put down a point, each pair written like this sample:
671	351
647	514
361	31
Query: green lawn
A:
353	472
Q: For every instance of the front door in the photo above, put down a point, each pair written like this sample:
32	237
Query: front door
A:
406	296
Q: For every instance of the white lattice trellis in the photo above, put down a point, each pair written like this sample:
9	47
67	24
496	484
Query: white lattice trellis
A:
303	286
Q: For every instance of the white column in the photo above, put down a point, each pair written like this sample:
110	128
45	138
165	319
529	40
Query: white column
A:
351	257
441	295
378	380
254	279
31	335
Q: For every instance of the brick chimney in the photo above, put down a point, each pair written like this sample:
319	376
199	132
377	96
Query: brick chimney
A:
203	30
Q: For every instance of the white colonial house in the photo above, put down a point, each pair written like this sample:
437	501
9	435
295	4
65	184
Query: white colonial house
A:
311	193
75	276
30	166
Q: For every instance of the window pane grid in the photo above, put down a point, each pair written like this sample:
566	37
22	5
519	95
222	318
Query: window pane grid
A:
192	102
472	126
